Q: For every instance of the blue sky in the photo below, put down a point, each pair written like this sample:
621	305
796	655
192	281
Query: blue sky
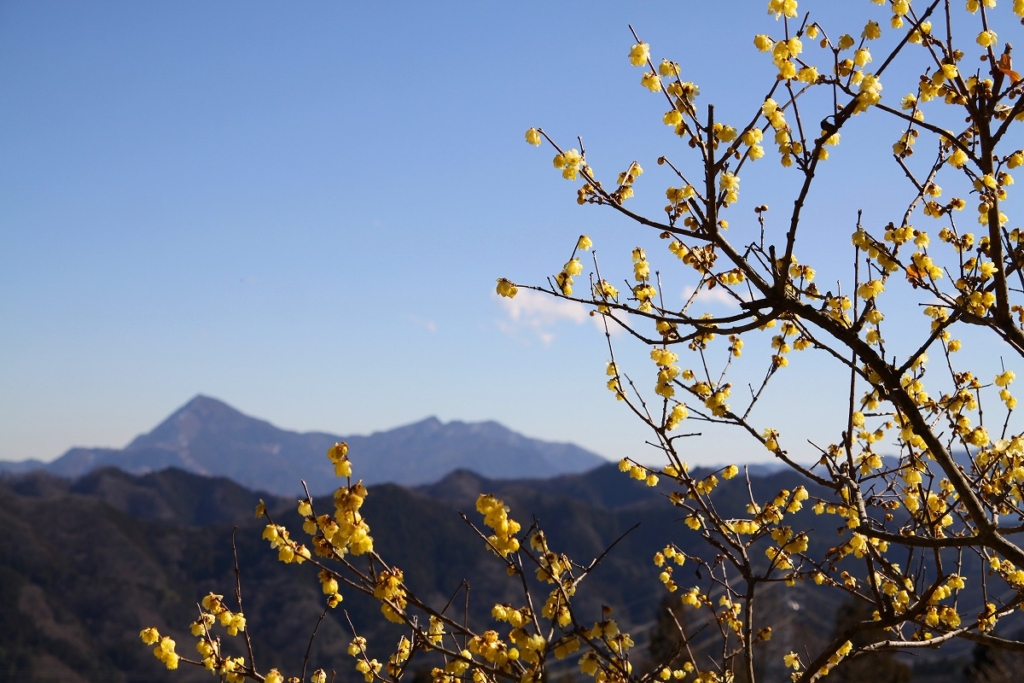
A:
302	210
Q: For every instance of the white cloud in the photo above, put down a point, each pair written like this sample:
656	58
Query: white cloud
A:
711	296
539	313
428	325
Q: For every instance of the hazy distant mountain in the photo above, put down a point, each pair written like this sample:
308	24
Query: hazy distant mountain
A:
209	437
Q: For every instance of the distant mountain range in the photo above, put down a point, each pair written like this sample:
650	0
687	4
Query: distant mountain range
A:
209	437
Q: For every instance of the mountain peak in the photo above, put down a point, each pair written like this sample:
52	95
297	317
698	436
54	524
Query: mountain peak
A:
207	436
203	402
201	415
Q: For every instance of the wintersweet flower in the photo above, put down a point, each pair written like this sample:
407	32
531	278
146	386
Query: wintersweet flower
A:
506	288
782	7
958	158
651	81
808	74
642	270
533	137
639	54
667	68
676	416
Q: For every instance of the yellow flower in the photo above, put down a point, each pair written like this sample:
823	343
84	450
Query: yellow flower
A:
782	7
958	158
639	54
533	137
642	270
808	74
651	81
584	243
678	414
357	646
987	38
506	288
149	635
870	289
667	68
763	43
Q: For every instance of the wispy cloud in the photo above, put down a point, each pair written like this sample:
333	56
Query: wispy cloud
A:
716	296
428	325
539	313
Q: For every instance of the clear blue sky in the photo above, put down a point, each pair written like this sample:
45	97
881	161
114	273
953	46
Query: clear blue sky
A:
301	209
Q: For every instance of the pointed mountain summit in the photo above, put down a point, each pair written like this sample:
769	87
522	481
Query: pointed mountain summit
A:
194	418
209	437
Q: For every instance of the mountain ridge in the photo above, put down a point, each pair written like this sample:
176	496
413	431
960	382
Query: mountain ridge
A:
209	437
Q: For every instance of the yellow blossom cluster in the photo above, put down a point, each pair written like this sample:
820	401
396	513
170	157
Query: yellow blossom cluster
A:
233	622
369	668
332	536
668	554
783	135
638	472
338	455
614	385
164	650
626	179
503	541
491	648
570	162
396	662
288	551
348	531
390	590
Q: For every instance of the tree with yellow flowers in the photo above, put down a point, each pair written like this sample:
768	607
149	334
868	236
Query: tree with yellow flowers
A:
911	525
